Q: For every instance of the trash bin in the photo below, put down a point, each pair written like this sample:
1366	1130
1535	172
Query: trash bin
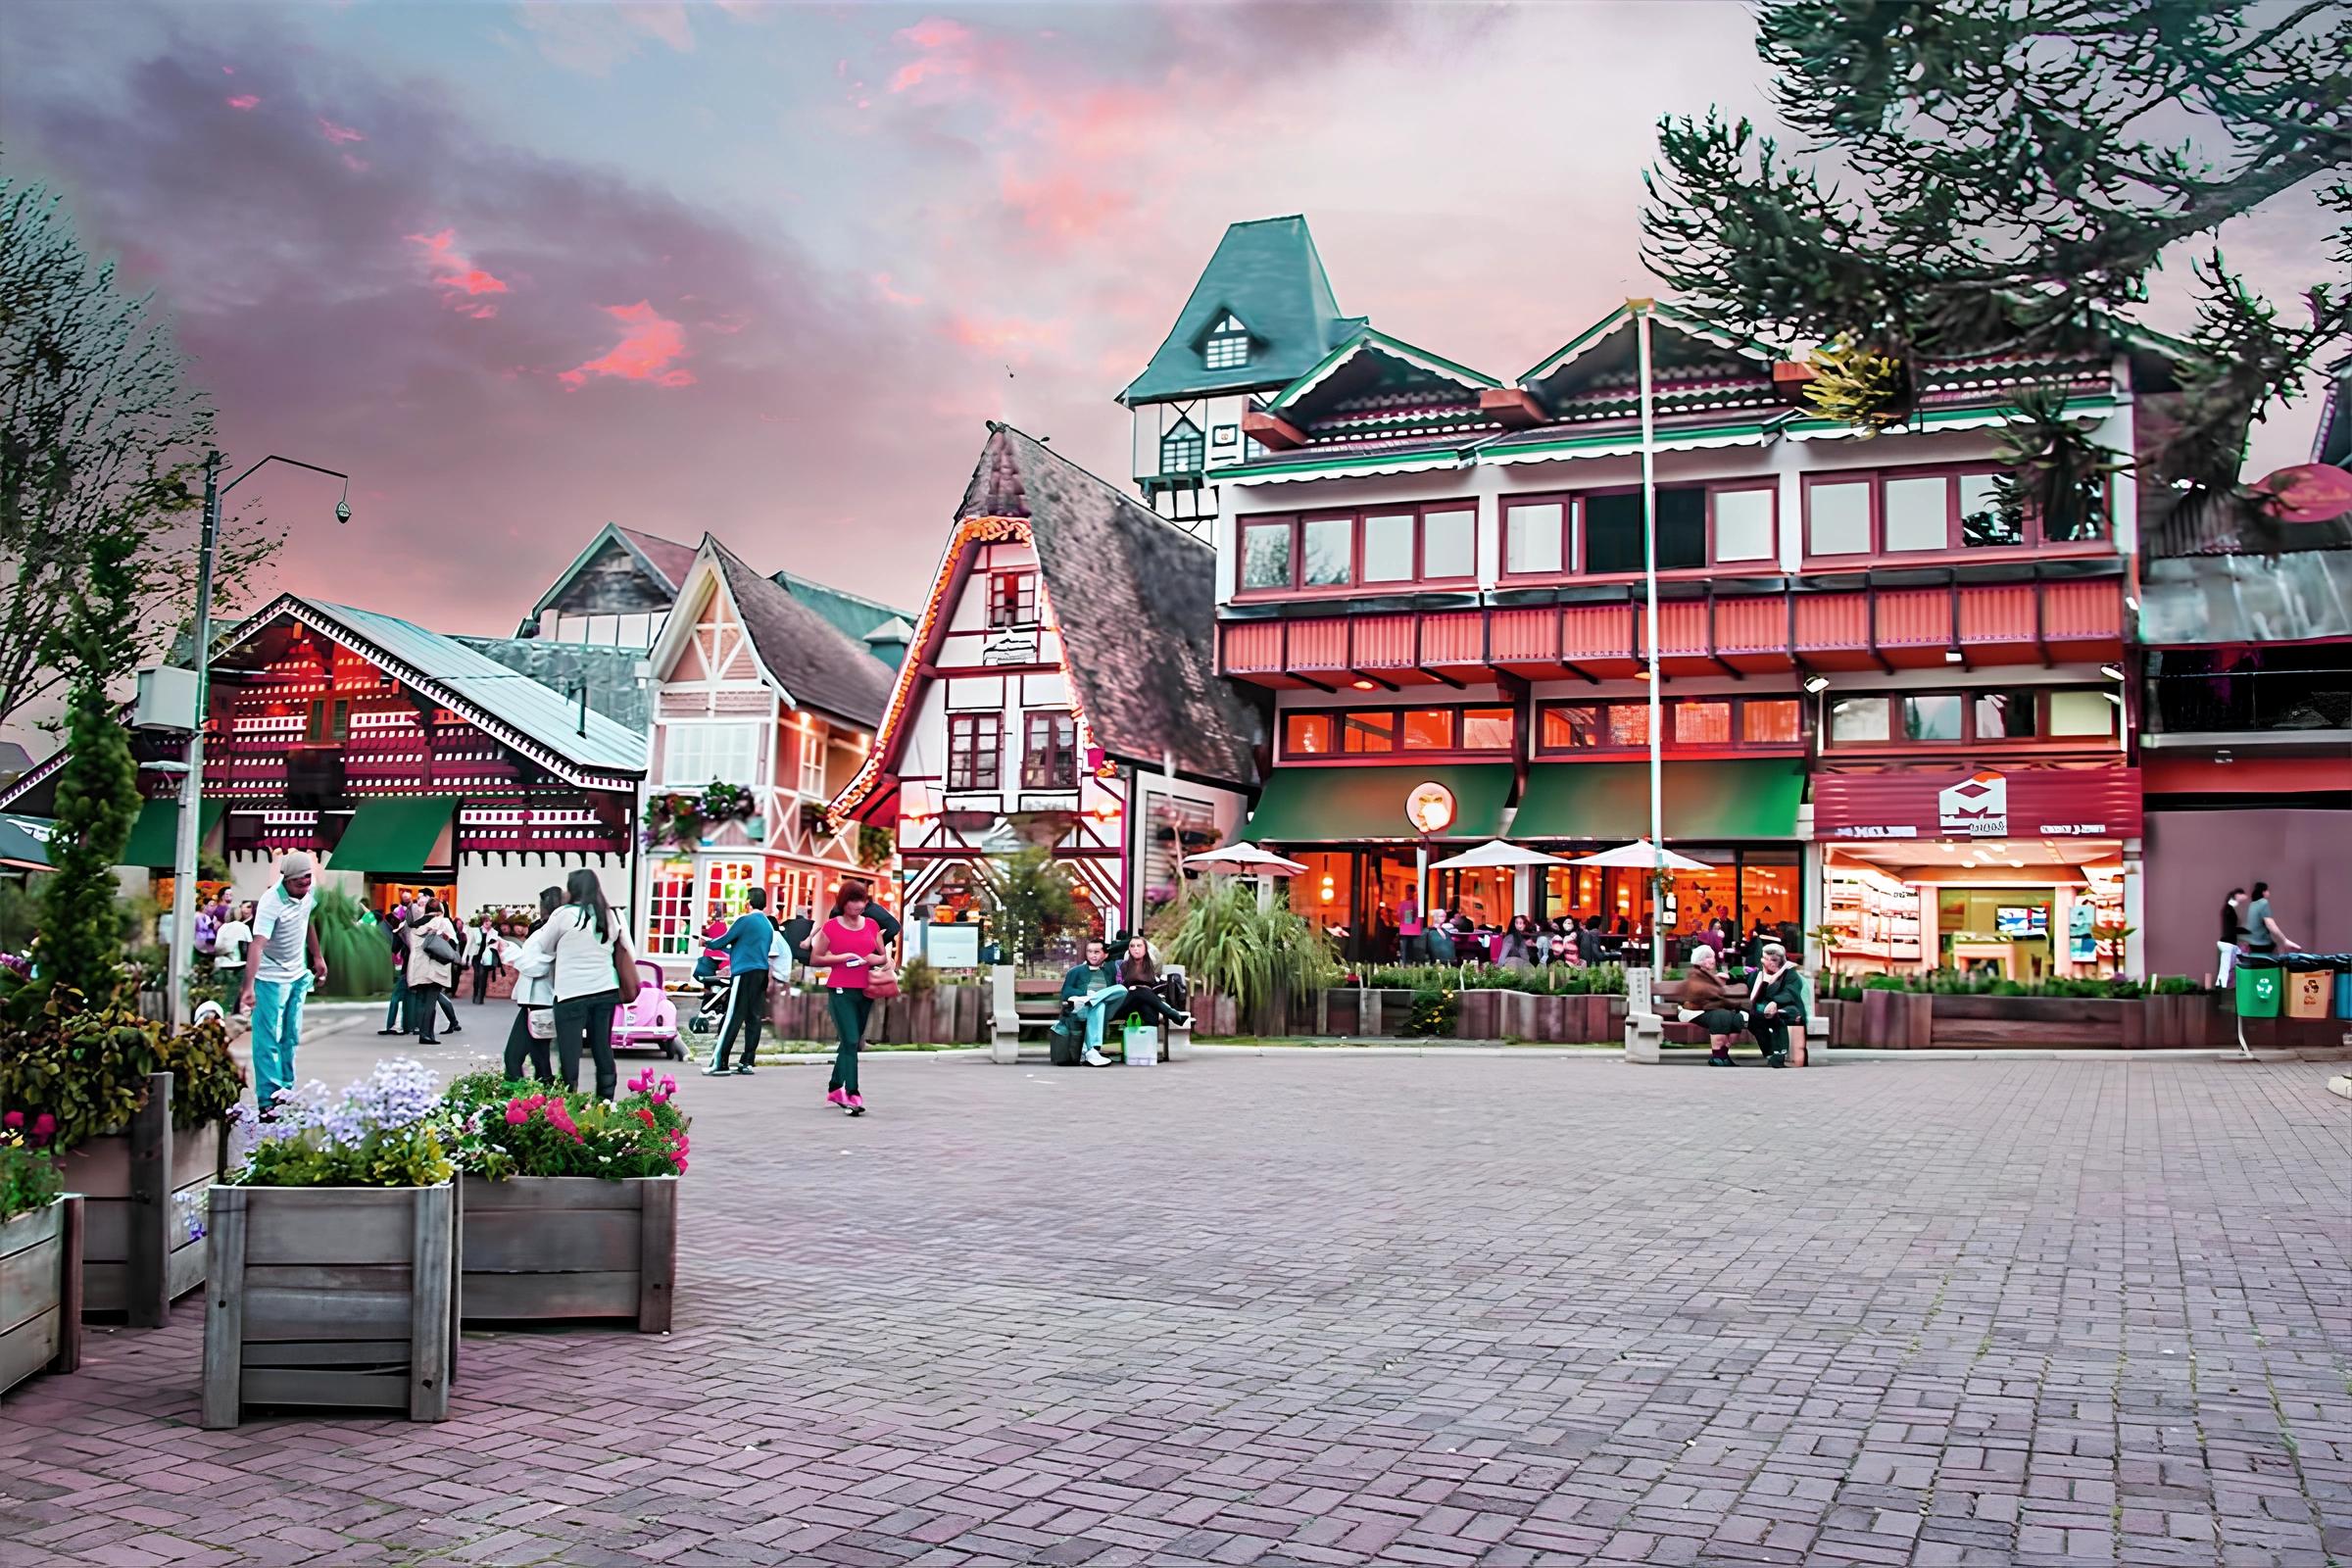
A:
2259	984
2309	984
2344	992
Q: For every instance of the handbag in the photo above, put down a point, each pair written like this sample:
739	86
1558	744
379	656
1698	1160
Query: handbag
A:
540	1022
625	969
881	980
440	948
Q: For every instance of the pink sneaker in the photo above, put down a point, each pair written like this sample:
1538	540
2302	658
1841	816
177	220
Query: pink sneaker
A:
834	1097
855	1105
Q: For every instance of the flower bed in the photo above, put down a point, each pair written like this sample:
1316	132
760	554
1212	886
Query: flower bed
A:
569	1205
40	1257
333	1257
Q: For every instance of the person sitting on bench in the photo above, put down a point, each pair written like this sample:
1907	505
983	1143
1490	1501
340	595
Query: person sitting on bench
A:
1776	999
1717	1005
1148	991
1091	994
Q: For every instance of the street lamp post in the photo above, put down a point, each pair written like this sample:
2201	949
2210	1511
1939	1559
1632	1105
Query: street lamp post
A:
191	784
1650	575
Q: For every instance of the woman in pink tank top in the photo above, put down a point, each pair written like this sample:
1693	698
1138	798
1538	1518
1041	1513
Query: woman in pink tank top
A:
846	948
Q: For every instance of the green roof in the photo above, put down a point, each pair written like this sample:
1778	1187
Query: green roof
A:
1266	273
155	837
1701	801
400	836
1350	804
858	619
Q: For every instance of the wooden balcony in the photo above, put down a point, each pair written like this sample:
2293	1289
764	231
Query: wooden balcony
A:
1800	627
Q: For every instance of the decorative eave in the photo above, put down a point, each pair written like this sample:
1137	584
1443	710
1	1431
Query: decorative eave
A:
1343	464
679	628
1621	445
1974	418
1673	316
1372	341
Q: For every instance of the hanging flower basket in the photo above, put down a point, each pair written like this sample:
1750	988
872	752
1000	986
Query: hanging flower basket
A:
681	818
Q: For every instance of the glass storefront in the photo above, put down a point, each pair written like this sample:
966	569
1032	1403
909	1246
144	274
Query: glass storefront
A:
1747	888
2017	909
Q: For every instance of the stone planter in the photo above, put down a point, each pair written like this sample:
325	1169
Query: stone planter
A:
142	1185
331	1296
40	1291
542	1248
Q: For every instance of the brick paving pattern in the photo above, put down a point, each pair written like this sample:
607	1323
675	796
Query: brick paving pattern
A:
1320	1311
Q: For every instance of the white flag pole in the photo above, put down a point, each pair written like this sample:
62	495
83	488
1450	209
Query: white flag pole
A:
1641	310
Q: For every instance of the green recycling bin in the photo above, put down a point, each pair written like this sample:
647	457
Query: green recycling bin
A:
2261	985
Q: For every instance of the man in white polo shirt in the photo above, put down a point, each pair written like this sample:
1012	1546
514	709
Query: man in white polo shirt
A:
277	977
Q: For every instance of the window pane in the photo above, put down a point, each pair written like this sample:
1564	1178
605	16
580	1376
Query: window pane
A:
1388	547
1932	719
1629	724
1449	544
1368	732
1613	533
1858	719
1703	724
2080	513
1266	554
2082	713
2004	715
1837	518
1567	727
1915	517
1306	734
1681	528
1778	722
1329	542
1428	729
1984	520
1532	537
1743	525
1486	730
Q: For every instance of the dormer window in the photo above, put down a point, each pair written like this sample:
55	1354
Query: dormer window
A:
1181	449
1228	345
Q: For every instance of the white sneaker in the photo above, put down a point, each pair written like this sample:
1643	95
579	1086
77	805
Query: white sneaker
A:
1096	1058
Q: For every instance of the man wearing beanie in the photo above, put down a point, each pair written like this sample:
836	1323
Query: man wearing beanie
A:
284	962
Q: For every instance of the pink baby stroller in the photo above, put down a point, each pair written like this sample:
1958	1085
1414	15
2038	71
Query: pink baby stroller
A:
649	1021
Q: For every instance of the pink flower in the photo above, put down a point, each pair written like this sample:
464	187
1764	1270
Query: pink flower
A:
43	1125
13	1120
669	1086
517	1114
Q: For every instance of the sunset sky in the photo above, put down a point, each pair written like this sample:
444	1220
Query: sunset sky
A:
764	269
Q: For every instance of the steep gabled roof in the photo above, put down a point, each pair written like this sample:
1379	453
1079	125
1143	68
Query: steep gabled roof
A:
812	660
668	559
662	562
1267	273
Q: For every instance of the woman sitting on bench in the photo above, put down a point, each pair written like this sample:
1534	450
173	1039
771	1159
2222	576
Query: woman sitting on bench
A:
1717	1004
1150	994
1775	1000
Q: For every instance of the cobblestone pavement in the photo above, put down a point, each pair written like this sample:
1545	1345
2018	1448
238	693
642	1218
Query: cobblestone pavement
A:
1329	1310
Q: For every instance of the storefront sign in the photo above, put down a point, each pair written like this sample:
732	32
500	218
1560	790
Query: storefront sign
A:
1983	803
1429	807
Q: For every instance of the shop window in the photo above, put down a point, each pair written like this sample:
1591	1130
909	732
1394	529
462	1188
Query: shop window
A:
1306	734
1266	554
2004	715
2079	713
1570	727
1388	547
1703	724
1326	546
1776	722
1858	720
703	754
725	884
1743	525
1613	530
1487	729
670	914
1837	518
1372	731
1535	537
1449	544
1182	449
975	746
1428	729
1934	717
1050	753
1629	724
1012	599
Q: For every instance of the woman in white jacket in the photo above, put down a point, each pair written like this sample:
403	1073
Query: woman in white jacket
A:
586	941
535	992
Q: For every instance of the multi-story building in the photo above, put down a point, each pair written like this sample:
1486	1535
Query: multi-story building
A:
755	688
1059	692
1891	698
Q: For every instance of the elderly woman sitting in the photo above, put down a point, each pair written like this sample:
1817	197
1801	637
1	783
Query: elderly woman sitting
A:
1776	999
1717	1005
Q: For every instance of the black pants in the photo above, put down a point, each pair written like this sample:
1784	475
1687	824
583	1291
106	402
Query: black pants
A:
1146	1004
520	1042
746	1007
851	1008
396	1012
420	1006
587	1019
481	982
1772	1034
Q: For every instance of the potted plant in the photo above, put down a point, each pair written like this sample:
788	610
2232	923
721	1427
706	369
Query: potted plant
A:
40	1254
570	1205
333	1256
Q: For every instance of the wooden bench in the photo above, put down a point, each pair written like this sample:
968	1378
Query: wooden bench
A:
1665	1025
1028	1009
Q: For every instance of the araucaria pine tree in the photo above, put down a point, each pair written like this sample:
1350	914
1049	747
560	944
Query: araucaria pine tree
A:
98	787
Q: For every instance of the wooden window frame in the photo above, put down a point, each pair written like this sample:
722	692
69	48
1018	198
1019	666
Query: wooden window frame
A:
1337	734
1954	550
1672	746
963	747
1297	588
1023	582
1061	758
2041	741
1576	543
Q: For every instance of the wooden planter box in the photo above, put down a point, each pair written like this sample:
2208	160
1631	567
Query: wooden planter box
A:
137	1257
40	1291
331	1296
540	1248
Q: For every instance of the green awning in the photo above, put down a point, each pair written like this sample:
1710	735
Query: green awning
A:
400	836
155	836
1352	805
25	842
1703	802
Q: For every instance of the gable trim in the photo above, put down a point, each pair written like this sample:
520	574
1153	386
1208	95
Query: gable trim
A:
1380	342
680	626
1673	316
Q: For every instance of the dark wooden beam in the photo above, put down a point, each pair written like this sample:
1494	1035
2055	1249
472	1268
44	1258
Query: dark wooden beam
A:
1271	431
1510	406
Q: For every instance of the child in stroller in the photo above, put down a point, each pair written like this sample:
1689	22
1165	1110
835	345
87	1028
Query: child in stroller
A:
711	973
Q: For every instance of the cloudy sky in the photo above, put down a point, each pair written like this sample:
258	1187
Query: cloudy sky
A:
765	269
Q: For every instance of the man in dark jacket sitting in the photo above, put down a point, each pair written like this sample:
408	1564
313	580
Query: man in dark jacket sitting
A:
1776	1001
1091	994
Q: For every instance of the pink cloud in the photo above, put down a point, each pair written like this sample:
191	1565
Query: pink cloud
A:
643	353
244	100
890	291
936	32
358	165
946	53
462	282
1062	206
338	135
1012	333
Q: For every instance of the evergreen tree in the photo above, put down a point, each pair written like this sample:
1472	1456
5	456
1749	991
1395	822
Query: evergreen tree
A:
98	785
1989	175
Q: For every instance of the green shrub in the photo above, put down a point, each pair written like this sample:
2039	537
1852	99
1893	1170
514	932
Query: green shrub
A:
917	977
358	958
497	1129
1227	945
2175	985
1432	1012
1549	980
88	1066
28	1175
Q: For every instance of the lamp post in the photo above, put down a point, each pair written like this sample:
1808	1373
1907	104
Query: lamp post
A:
1641	310
191	785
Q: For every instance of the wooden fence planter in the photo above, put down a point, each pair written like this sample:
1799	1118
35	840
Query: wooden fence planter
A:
541	1249
137	1257
40	1291
331	1296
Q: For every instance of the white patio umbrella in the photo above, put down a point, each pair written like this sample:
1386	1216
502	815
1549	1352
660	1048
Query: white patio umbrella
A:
1643	855
1496	851
1244	859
